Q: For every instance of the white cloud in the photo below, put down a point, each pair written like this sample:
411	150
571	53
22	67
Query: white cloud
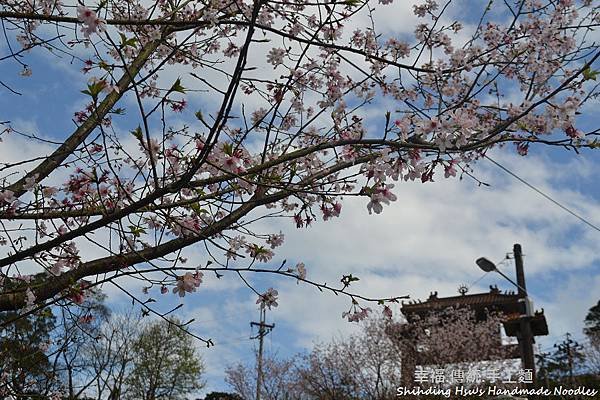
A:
427	241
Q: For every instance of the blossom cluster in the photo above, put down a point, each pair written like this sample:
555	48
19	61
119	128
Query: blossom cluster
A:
268	299
327	113
188	283
91	22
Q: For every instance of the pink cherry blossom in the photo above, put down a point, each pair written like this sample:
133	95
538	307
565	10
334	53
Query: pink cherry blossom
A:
30	182
259	253
574	133
522	148
357	315
275	240
301	271
188	283
379	197
7	196
268	299
275	56
387	312
450	170
91	22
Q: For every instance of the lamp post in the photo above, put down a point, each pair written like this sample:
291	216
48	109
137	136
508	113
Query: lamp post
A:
524	334
488	266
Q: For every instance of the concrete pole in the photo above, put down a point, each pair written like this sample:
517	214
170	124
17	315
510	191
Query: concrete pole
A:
525	337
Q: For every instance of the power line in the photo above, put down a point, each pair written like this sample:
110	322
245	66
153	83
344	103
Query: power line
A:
573	213
485	274
221	318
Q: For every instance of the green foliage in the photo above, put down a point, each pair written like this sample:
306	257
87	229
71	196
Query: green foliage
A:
137	132
136	230
566	360
177	87
165	364
132	42
592	321
222	396
94	89
23	361
590	74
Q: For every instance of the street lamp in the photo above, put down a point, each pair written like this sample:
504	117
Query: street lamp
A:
488	266
524	333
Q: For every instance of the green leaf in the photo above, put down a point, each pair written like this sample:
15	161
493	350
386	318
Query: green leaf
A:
177	86
594	144
137	132
136	230
103	65
94	89
127	42
228	149
521	126
589	74
197	209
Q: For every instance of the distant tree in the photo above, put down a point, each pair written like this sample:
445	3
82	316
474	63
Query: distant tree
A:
592	357
82	351
592	322
77	329
165	364
326	376
239	378
363	365
43	354
222	396
279	379
25	369
592	346
111	355
566	360
283	109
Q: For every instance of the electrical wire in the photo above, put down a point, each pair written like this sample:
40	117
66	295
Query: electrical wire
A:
225	317
573	213
485	274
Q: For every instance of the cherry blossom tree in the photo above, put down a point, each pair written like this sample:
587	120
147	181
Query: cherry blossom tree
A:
199	118
373	362
449	338
365	365
279	379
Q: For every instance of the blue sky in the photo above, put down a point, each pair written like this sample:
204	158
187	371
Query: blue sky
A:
425	241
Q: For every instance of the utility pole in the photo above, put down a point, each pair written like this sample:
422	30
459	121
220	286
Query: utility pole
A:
263	330
525	334
569	347
543	363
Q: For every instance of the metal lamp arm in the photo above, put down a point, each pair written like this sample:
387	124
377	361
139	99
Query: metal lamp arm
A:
511	281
